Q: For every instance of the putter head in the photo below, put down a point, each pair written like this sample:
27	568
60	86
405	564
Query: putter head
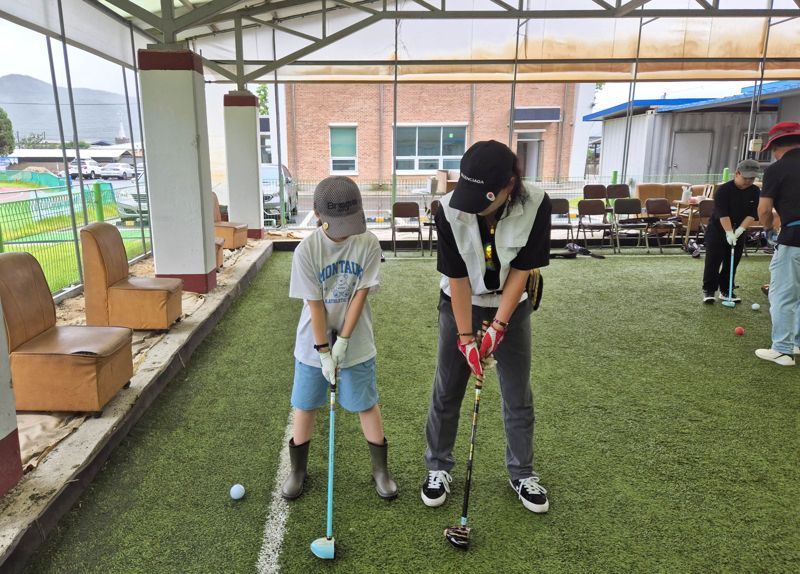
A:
458	536
324	548
727	303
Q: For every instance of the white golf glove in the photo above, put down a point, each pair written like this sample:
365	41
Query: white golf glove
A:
328	367
339	349
739	231
731	237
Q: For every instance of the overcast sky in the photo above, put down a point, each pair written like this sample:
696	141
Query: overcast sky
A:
25	52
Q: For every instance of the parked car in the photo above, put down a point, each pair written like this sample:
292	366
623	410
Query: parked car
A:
118	170
89	168
270	187
132	205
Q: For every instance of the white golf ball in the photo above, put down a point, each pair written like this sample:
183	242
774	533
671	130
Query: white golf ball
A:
237	491
755	307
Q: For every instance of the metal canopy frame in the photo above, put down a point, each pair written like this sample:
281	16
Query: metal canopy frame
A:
219	18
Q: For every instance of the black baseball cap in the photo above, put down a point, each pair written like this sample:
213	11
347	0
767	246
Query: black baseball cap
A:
486	168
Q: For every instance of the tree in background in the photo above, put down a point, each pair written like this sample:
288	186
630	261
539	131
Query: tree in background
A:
262	91
7	144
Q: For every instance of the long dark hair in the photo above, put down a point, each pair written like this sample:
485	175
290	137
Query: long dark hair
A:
518	193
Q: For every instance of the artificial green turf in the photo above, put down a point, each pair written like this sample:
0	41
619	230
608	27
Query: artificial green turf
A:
665	444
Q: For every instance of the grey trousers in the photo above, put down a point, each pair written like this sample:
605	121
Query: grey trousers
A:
452	375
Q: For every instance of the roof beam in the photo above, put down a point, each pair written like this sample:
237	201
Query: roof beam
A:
704	4
366	9
603	4
343	33
218	68
283	29
138	12
629	7
197	15
503	5
434	8
188	5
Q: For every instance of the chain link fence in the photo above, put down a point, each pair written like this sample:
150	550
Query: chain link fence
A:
39	221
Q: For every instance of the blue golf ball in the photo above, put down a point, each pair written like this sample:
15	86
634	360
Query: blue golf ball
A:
237	491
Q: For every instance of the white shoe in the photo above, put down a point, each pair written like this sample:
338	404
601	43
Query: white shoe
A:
775	357
796	350
436	488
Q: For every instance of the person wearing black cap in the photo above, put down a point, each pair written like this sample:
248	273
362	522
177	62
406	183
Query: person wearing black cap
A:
333	271
735	209
781	192
492	231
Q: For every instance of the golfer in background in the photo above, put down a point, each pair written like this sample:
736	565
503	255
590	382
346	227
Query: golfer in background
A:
492	231
781	192
735	209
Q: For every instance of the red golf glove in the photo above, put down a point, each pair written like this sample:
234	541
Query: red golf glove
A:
491	340
472	355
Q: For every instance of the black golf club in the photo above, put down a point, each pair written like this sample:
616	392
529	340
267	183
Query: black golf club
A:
458	536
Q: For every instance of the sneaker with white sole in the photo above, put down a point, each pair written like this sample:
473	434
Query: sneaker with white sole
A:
532	494
796	350
776	357
708	297
436	488
734	298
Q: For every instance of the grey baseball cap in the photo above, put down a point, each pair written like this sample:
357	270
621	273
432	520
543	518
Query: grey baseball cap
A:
749	168
337	200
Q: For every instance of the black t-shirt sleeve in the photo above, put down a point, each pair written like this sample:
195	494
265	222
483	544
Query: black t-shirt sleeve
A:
771	183
536	252
448	260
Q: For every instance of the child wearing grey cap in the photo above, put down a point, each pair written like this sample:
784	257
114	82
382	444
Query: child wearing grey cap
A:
333	270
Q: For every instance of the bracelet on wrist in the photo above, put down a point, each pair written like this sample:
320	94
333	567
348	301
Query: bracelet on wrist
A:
465	334
503	324
323	346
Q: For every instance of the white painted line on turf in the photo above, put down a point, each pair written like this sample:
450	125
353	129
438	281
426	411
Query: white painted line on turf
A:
278	513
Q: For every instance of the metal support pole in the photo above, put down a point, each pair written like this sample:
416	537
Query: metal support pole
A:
513	92
394	118
240	52
141	142
278	133
75	238
629	111
755	102
133	153
72	114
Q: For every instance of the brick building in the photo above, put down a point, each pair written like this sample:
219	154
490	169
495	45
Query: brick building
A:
347	128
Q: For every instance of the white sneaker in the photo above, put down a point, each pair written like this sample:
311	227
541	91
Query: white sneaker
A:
775	357
436	488
796	350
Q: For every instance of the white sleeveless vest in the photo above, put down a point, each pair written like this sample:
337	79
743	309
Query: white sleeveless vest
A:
510	235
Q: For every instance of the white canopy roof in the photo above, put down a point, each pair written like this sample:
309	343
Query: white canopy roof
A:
460	41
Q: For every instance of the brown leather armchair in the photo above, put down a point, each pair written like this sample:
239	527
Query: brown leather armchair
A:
234	234
57	368
115	298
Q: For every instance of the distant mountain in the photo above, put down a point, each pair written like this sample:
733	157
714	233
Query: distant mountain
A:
31	106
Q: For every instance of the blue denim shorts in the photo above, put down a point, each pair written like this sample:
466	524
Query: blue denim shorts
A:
357	390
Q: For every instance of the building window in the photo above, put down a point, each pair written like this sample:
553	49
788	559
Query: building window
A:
343	150
428	148
266	149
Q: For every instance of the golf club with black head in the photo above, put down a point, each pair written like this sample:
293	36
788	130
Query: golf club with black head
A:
325	547
458	536
729	302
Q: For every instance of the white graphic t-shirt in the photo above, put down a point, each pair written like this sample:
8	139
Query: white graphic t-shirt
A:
325	270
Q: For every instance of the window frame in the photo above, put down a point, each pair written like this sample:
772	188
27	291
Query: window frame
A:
441	158
331	157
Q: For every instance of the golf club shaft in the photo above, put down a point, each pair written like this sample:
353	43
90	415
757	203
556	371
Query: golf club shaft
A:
475	409
730	279
329	525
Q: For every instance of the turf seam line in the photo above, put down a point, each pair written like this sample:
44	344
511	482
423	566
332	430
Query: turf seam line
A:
278	513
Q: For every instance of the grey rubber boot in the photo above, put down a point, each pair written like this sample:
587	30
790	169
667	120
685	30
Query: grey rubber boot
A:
384	485
293	485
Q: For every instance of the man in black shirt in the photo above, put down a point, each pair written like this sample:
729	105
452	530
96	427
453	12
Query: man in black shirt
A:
781	192
735	209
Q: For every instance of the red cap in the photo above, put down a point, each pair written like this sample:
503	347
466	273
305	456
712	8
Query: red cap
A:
781	130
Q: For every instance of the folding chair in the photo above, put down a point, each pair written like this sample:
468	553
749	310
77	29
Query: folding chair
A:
661	221
587	208
560	207
628	218
594	191
408	210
